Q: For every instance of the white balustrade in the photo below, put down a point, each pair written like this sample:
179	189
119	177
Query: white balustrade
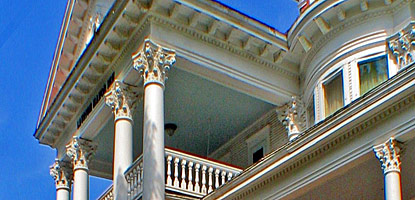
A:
192	169
134	176
185	174
107	195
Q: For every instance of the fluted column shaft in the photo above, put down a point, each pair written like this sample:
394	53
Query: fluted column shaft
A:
80	151
153	62
122	99
388	155
62	173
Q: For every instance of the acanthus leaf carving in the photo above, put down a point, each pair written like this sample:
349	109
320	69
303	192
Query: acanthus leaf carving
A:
62	174
80	151
122	98
153	62
293	117
388	154
402	47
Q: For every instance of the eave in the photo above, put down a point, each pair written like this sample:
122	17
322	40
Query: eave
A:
124	21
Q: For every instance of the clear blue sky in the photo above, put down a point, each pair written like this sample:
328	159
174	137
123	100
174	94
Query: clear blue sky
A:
28	35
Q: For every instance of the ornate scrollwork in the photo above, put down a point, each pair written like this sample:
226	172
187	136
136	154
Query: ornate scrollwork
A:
80	151
402	47
122	98
388	154
62	173
153	62
292	115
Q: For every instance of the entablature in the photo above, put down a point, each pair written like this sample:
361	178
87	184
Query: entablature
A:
128	22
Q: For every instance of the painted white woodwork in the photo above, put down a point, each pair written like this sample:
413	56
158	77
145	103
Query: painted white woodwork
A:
108	194
153	63
62	174
122	99
134	179
388	154
80	151
183	164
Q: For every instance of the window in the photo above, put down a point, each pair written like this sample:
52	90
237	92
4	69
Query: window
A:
333	94
258	144
258	155
372	72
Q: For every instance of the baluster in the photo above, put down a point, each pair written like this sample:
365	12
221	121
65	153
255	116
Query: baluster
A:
217	171
135	182
223	177
210	189
176	173
229	176
141	175
204	191
197	186
190	184
128	185
183	184
139	178
131	185
169	181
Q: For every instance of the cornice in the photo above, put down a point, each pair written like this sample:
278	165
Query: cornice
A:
327	144
220	44
346	25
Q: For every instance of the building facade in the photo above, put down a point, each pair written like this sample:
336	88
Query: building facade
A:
324	111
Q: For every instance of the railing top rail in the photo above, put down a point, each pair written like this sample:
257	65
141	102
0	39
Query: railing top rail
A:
207	161
129	169
107	191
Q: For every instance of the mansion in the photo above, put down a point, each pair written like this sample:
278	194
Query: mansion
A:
191	99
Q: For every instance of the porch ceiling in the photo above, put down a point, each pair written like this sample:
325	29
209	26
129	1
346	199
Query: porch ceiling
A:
207	115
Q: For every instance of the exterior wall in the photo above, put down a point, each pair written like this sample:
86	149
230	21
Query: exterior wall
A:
236	150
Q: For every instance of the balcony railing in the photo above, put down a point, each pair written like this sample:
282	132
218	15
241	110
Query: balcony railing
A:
186	174
107	194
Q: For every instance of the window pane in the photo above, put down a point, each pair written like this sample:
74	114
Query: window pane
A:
372	72
333	94
258	155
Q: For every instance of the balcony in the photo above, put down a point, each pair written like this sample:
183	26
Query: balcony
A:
186	174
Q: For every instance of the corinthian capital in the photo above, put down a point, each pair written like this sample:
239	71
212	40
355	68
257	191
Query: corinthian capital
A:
62	173
402	48
292	115
153	62
80	151
388	154
122	99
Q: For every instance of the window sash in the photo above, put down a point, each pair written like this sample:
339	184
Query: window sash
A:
333	94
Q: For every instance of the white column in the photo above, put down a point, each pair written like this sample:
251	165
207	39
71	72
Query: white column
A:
122	99
388	155
153	62
80	151
62	173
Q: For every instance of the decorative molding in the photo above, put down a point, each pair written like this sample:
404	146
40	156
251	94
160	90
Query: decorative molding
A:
402	48
122	99
206	37
328	146
321	148
293	117
346	25
388	154
153	62
80	151
62	173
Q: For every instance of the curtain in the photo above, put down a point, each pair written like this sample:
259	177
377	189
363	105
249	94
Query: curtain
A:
333	94
372	73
